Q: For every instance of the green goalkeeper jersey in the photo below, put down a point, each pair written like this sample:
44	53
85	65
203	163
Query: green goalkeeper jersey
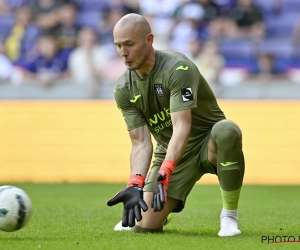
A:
174	84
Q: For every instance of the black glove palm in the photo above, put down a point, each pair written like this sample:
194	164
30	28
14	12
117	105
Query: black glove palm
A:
161	184
158	194
132	198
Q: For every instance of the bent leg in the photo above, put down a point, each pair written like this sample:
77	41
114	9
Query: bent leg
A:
153	221
225	152
227	139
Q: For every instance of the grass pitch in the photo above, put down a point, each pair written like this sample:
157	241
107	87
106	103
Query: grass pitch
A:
75	216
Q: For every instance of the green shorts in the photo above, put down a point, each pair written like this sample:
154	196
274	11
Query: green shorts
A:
189	170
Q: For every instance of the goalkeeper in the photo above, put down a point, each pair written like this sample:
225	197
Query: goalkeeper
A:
163	93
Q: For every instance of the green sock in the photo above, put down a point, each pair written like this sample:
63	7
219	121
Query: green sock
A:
230	198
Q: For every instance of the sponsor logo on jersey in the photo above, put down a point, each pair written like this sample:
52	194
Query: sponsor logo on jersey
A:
160	120
228	163
161	116
159	90
187	94
135	98
183	68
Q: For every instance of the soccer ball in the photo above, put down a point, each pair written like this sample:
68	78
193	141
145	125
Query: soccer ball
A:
15	208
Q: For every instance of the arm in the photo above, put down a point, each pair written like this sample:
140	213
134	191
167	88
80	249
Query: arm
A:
183	85
182	121
141	151
132	195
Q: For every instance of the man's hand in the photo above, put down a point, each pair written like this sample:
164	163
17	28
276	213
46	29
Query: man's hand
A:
132	198
161	184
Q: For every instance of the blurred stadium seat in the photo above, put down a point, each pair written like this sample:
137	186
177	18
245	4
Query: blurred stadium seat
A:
6	22
280	47
281	24
93	5
237	48
266	5
88	18
291	5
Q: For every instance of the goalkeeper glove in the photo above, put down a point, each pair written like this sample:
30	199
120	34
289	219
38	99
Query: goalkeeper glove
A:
161	184
132	198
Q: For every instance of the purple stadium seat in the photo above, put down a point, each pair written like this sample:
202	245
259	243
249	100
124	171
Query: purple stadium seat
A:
17	3
266	5
226	5
286	5
237	48
90	19
279	47
281	24
93	5
6	22
291	5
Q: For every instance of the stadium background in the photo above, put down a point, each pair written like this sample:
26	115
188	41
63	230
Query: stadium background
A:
62	134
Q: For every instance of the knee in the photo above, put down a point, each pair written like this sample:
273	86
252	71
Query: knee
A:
151	222
227	132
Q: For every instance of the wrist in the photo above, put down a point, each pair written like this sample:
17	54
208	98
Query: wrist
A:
136	180
168	166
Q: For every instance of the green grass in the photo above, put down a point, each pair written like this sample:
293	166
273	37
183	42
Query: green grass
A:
75	216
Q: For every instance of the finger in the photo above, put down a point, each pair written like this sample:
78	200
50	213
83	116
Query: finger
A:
131	218
125	218
137	213
161	192
116	199
155	203
143	205
161	176
159	206
158	203
153	198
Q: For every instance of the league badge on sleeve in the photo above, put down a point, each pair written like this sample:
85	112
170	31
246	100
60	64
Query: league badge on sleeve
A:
187	94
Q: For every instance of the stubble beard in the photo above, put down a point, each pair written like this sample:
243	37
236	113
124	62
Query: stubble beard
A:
142	59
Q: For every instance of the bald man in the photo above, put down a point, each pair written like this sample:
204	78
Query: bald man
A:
163	93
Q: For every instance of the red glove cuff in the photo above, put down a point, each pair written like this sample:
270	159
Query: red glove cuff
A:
168	166
136	180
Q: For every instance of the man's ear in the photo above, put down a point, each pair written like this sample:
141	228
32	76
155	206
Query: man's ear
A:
150	38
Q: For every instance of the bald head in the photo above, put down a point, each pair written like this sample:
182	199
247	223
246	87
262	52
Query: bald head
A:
133	22
133	40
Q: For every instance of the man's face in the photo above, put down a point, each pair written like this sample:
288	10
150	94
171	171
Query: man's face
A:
132	47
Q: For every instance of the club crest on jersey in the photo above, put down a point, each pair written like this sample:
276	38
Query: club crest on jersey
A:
159	90
187	94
